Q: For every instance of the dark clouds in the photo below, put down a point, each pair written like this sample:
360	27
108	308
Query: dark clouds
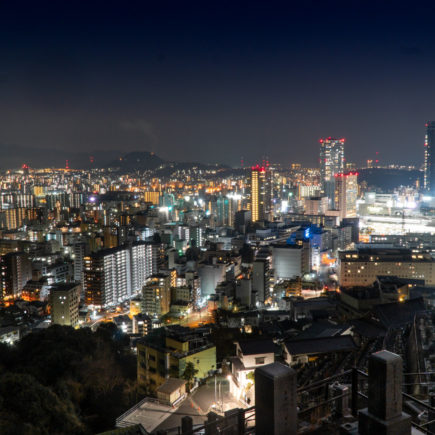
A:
218	81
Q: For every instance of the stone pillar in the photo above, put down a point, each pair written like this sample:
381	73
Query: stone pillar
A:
384	414
342	403
211	425
231	424
186	425
275	400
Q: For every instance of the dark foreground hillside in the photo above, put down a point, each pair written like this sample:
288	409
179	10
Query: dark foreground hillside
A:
66	381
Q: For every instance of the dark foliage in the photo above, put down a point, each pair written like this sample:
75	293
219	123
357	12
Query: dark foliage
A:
63	381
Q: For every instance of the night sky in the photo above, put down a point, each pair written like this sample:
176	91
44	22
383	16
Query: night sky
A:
214	81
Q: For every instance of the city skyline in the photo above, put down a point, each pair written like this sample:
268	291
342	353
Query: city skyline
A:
220	83
217	218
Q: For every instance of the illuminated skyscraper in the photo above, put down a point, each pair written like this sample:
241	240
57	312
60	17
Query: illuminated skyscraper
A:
346	194
258	193
331	163
429	158
224	211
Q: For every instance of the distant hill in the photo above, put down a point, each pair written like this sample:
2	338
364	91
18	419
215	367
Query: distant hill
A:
146	161
14	156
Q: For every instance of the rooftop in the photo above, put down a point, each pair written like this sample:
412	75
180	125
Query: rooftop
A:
255	347
64	287
171	385
149	413
398	314
314	346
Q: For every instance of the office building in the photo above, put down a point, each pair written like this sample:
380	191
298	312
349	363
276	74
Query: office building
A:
224	211
361	267
331	163
315	205
346	190
258	193
429	158
290	261
65	301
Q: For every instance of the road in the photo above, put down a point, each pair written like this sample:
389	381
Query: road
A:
194	319
105	317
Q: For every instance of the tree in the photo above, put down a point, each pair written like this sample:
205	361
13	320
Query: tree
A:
84	379
189	374
27	407
251	378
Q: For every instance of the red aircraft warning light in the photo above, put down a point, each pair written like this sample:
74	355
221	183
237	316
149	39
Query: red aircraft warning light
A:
258	168
347	174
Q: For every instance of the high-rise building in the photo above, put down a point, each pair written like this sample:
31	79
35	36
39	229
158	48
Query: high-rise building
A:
113	275
346	194
14	218
224	211
331	163
141	255
157	257
242	219
258	193
107	277
79	253
261	279
65	301
429	158
196	236
16	270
